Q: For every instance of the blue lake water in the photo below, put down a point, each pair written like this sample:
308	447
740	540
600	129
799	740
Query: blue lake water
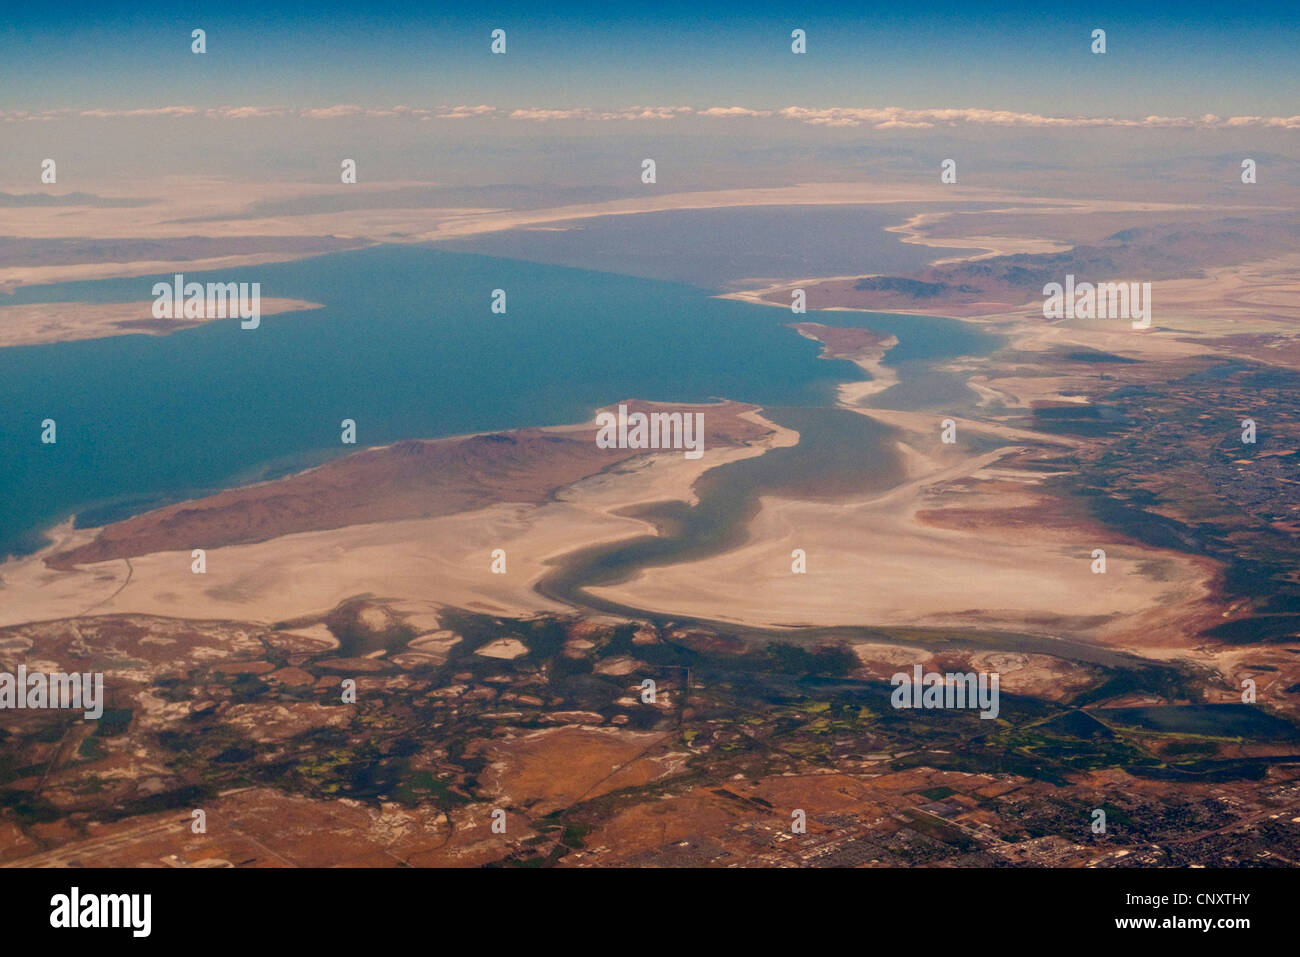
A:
713	248
406	345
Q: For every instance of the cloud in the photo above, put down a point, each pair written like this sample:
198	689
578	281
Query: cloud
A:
544	115
897	118
832	121
1280	122
733	111
582	113
649	113
333	112
244	112
154	111
878	118
463	112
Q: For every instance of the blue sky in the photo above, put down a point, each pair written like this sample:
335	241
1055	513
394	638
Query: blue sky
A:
1184	59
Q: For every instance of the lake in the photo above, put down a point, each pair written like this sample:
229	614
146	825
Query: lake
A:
407	346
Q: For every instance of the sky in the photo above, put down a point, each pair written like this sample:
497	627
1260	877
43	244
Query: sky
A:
1183	59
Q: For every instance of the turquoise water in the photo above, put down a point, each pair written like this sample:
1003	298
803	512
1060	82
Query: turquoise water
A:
407	346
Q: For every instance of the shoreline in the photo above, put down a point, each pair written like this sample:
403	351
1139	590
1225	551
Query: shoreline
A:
398	550
590	513
49	323
594	511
